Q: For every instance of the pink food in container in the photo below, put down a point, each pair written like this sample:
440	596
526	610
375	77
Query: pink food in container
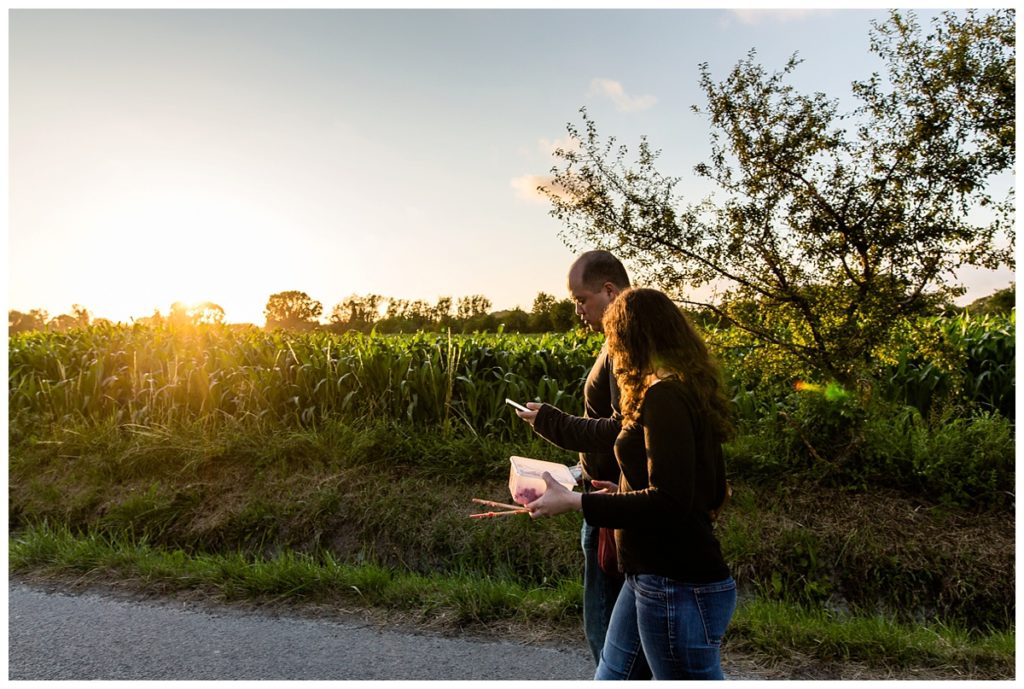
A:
526	478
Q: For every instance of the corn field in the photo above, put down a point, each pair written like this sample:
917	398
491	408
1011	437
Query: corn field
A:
213	375
965	359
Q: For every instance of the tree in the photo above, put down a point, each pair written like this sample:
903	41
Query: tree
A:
442	314
207	312
396	316
1000	302
292	310
549	314
62	323
472	314
420	316
356	313
563	316
833	226
178	316
18	322
512	320
540	313
78	318
182	315
481	322
81	315
472	306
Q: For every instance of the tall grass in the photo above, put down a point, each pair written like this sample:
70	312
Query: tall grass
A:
215	374
212	375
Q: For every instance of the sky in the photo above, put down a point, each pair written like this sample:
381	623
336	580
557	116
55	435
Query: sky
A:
194	155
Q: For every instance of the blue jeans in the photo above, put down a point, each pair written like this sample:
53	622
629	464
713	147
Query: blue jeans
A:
668	629
599	593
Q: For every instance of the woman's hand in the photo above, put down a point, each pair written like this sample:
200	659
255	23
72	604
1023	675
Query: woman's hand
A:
605	486
557	499
529	416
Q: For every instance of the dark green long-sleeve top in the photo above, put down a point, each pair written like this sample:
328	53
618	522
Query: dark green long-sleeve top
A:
673	475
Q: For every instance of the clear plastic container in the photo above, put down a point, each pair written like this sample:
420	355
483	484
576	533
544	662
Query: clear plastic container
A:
526	478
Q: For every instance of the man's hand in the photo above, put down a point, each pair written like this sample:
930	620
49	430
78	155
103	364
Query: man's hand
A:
529	416
557	499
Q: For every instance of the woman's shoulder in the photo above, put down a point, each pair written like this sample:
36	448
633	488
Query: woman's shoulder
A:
669	391
673	383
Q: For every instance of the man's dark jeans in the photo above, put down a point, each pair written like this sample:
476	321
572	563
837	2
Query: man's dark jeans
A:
599	592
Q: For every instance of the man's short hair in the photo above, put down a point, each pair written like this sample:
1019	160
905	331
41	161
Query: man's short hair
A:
600	266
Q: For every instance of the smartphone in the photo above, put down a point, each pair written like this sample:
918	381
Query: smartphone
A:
516	405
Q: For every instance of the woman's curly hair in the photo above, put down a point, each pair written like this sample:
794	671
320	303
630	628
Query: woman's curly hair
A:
647	332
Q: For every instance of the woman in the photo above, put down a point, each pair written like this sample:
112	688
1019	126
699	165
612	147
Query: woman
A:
678	599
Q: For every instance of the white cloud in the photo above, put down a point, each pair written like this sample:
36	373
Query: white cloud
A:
613	90
526	187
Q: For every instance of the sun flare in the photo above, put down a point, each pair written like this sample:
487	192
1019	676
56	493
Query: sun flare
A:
168	248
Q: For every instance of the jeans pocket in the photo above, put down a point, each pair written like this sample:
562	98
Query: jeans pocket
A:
715	604
649	586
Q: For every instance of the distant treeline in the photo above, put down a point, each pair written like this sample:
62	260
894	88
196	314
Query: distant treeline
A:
295	310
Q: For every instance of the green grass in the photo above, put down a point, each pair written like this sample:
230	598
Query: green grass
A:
464	598
399	495
778	630
773	630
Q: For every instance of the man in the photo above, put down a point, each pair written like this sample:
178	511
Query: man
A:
595	279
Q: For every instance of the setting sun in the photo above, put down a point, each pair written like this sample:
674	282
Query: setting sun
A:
168	246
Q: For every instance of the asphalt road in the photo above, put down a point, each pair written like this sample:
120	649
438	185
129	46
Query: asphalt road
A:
93	636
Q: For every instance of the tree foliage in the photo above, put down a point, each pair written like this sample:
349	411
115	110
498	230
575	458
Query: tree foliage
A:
473	306
39	319
292	310
19	322
552	315
829	225
356	313
999	303
207	312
